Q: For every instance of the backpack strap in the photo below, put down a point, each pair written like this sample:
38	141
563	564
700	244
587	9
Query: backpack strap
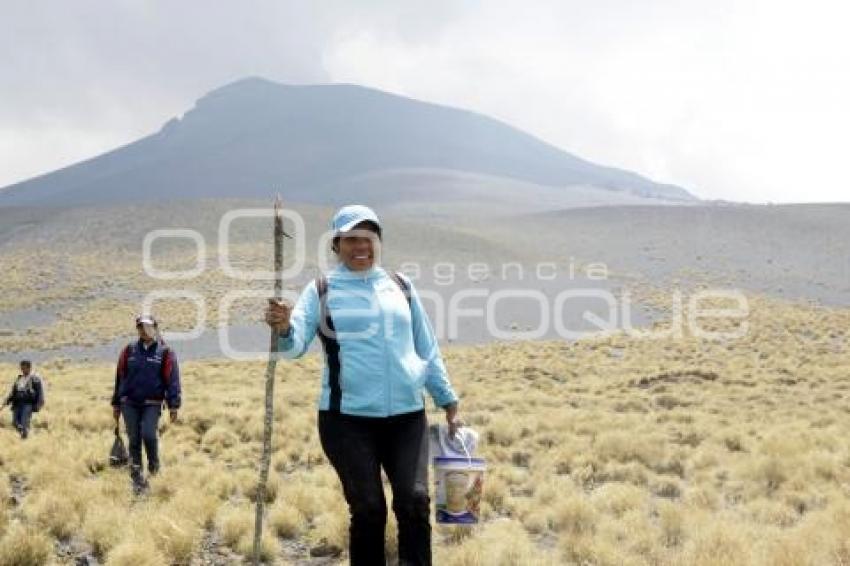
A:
322	288
327	335
325	321
402	284
35	383
166	364
129	350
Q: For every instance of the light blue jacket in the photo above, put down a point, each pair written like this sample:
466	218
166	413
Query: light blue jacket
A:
387	349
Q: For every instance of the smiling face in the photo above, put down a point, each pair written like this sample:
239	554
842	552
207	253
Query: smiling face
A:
357	248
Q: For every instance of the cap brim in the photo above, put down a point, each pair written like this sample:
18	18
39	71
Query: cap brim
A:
144	321
349	226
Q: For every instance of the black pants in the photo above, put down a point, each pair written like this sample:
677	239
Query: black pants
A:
142	422
358	447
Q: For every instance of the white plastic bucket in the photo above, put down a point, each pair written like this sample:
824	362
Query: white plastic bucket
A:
459	487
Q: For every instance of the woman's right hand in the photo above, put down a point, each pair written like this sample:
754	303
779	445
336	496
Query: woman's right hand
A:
277	315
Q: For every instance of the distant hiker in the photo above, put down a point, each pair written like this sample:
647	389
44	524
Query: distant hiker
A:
26	398
147	374
380	351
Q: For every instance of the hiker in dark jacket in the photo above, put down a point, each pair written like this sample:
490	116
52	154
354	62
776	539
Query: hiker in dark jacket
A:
147	375
26	398
381	353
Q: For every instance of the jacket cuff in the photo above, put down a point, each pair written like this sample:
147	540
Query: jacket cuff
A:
286	343
445	399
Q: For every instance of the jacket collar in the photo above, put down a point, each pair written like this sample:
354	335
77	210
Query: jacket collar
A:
343	272
152	348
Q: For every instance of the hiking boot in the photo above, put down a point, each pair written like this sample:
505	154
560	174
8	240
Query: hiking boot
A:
140	489
135	472
140	484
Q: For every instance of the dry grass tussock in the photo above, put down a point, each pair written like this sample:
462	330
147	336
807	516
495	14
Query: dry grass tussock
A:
606	451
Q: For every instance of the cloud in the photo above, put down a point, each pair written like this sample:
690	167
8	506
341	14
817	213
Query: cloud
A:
735	100
79	78
742	100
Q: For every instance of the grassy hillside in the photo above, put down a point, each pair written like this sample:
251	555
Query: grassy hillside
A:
610	451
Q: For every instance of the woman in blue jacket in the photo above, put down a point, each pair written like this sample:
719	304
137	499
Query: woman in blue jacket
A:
380	352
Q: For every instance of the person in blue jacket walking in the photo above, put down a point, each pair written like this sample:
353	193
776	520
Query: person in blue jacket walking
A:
380	353
147	375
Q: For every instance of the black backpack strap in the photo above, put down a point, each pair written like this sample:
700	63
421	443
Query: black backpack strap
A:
325	321
327	335
322	287
405	288
402	284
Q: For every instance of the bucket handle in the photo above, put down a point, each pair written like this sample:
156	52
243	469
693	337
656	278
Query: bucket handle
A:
463	445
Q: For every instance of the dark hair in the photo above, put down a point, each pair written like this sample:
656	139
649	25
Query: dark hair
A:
370	226
26	363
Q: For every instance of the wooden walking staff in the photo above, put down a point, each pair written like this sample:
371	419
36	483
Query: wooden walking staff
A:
279	234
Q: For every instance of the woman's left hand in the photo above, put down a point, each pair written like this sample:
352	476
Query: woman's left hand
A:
452	419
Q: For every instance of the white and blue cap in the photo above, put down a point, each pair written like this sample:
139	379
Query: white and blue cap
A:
347	217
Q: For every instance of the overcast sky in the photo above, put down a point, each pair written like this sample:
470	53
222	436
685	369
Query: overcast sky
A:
739	100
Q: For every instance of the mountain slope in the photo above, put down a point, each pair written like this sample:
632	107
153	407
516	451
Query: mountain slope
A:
251	137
